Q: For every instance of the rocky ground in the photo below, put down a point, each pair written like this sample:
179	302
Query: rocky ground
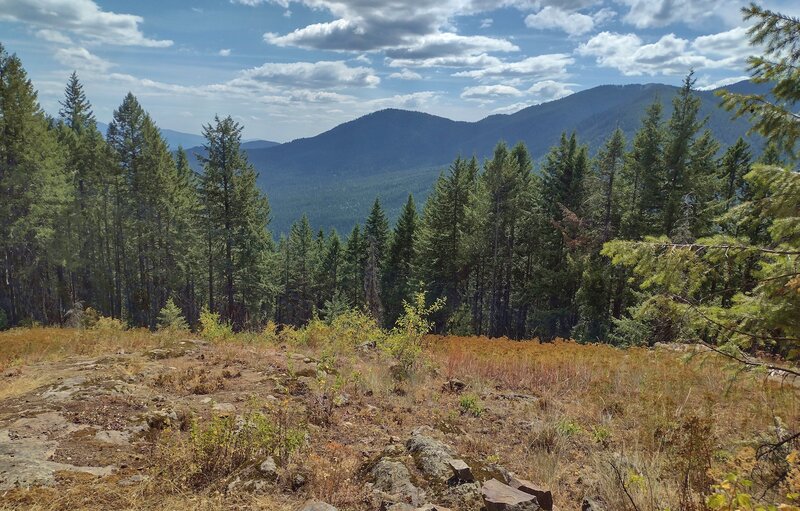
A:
116	431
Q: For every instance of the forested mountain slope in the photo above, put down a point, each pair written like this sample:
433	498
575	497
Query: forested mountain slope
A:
335	176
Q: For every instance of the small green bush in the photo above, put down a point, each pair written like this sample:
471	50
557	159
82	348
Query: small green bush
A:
171	318
212	328
470	404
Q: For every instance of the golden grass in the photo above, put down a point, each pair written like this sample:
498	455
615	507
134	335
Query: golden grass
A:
561	414
31	345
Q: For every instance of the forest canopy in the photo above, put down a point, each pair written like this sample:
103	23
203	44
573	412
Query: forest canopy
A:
665	237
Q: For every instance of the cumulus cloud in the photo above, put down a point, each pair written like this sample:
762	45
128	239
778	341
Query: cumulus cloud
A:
225	52
659	13
82	18
534	68
549	90
627	53
484	92
53	36
733	44
321	75
456	61
573	23
421	30
704	83
81	59
406	74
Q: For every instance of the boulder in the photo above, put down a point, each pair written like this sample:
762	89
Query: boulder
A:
461	471
432	457
393	480
454	385
544	497
317	505
269	468
501	497
590	505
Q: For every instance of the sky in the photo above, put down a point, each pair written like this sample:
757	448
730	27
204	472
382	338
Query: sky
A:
287	69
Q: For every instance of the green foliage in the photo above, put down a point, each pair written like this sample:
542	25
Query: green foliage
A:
171	318
470	404
212	328
404	342
223	445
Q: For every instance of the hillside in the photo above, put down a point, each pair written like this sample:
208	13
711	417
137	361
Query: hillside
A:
111	419
335	176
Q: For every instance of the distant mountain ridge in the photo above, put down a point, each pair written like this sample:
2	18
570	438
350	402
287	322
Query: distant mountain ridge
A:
335	176
177	139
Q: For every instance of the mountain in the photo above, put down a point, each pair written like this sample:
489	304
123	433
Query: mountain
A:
335	176
190	140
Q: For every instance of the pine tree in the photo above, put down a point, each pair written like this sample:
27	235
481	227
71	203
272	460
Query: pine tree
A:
441	244
376	231
683	127
299	292
735	164
355	261
76	111
398	284
643	178
238	242
33	284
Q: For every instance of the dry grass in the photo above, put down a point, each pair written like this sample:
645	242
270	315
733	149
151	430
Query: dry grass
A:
30	345
581	420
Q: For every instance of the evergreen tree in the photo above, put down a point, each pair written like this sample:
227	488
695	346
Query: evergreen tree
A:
683	126
33	194
238	215
398	283
355	261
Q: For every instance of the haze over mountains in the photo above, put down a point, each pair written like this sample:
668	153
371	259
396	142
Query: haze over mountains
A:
334	176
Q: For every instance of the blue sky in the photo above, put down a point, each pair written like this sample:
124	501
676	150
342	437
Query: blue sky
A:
288	69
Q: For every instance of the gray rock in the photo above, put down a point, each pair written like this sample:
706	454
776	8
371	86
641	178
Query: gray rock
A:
544	497
590	505
461	471
223	409
432	457
501	497
393	479
317	505
466	497
269	468
113	437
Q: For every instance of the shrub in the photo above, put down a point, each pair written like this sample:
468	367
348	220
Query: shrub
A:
212	328
405	341
107	324
171	318
470	404
220	447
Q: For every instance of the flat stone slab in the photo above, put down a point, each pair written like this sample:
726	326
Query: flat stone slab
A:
501	497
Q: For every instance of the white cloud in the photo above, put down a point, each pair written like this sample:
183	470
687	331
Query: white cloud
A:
484	92
53	36
733	44
422	30
82	18
406	74
225	52
480	60
705	84
250	3
322	74
486	22
549	90
81	59
573	23
627	53
659	13
533	68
